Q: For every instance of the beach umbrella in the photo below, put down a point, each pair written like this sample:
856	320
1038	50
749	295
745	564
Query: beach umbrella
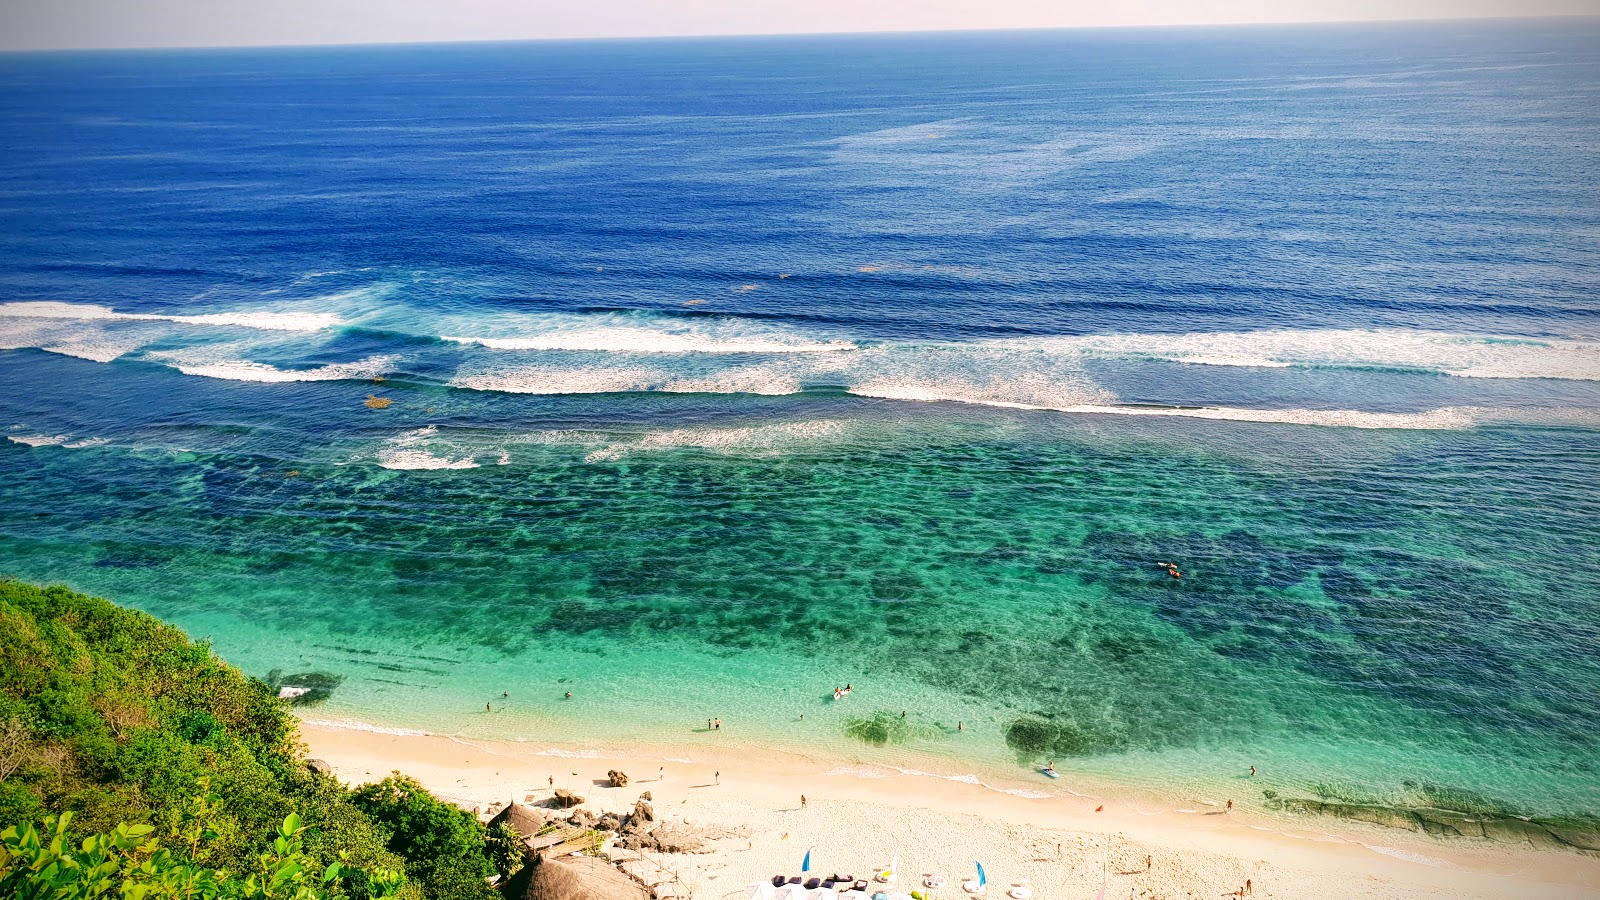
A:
805	865
977	885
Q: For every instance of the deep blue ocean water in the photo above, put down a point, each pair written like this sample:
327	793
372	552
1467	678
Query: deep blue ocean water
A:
722	371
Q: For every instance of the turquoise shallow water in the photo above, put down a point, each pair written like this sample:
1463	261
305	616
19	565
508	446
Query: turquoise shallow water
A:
723	372
1358	607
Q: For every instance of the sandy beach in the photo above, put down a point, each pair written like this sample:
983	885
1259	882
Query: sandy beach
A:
857	817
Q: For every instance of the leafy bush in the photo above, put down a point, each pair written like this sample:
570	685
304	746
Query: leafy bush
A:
112	716
445	845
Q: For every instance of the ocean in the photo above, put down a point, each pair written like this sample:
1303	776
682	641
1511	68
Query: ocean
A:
699	377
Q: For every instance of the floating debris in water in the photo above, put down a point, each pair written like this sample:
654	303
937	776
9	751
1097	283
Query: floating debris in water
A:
375	402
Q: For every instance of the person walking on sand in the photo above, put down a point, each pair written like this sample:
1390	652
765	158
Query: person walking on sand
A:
1248	887
802	801
552	782
1229	807
718	776
661	774
1147	862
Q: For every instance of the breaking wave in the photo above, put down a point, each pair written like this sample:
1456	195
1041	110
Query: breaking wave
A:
83	312
226	361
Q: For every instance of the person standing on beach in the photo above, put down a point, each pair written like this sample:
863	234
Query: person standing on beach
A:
718	726
718	776
1147	862
1229	807
661	774
802	801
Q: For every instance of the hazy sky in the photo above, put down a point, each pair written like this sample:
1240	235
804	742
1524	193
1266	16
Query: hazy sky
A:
46	24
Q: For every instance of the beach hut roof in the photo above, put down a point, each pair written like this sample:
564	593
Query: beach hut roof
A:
525	820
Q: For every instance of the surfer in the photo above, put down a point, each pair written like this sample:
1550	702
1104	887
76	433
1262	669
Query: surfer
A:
1172	569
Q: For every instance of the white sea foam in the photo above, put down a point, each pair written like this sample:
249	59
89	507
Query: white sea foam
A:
353	725
568	754
643	340
1024	793
416	450
858	772
420	459
226	361
759	439
1446	418
38	440
274	321
1461	355
1409	856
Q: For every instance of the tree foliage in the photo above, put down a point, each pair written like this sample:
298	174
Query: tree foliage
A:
445	844
108	716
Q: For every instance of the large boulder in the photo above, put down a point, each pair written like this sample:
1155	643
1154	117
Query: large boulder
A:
617	779
321	767
565	799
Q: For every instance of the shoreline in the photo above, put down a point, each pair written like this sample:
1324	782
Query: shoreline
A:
858	811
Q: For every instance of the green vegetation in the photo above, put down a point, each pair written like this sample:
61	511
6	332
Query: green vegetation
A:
445	845
109	717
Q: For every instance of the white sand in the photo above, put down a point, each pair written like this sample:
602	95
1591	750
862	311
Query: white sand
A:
858	817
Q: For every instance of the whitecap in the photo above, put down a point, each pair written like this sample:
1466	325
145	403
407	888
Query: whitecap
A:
38	440
226	361
1443	419
262	319
413	450
641	340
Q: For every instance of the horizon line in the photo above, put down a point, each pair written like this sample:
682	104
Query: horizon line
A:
799	34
